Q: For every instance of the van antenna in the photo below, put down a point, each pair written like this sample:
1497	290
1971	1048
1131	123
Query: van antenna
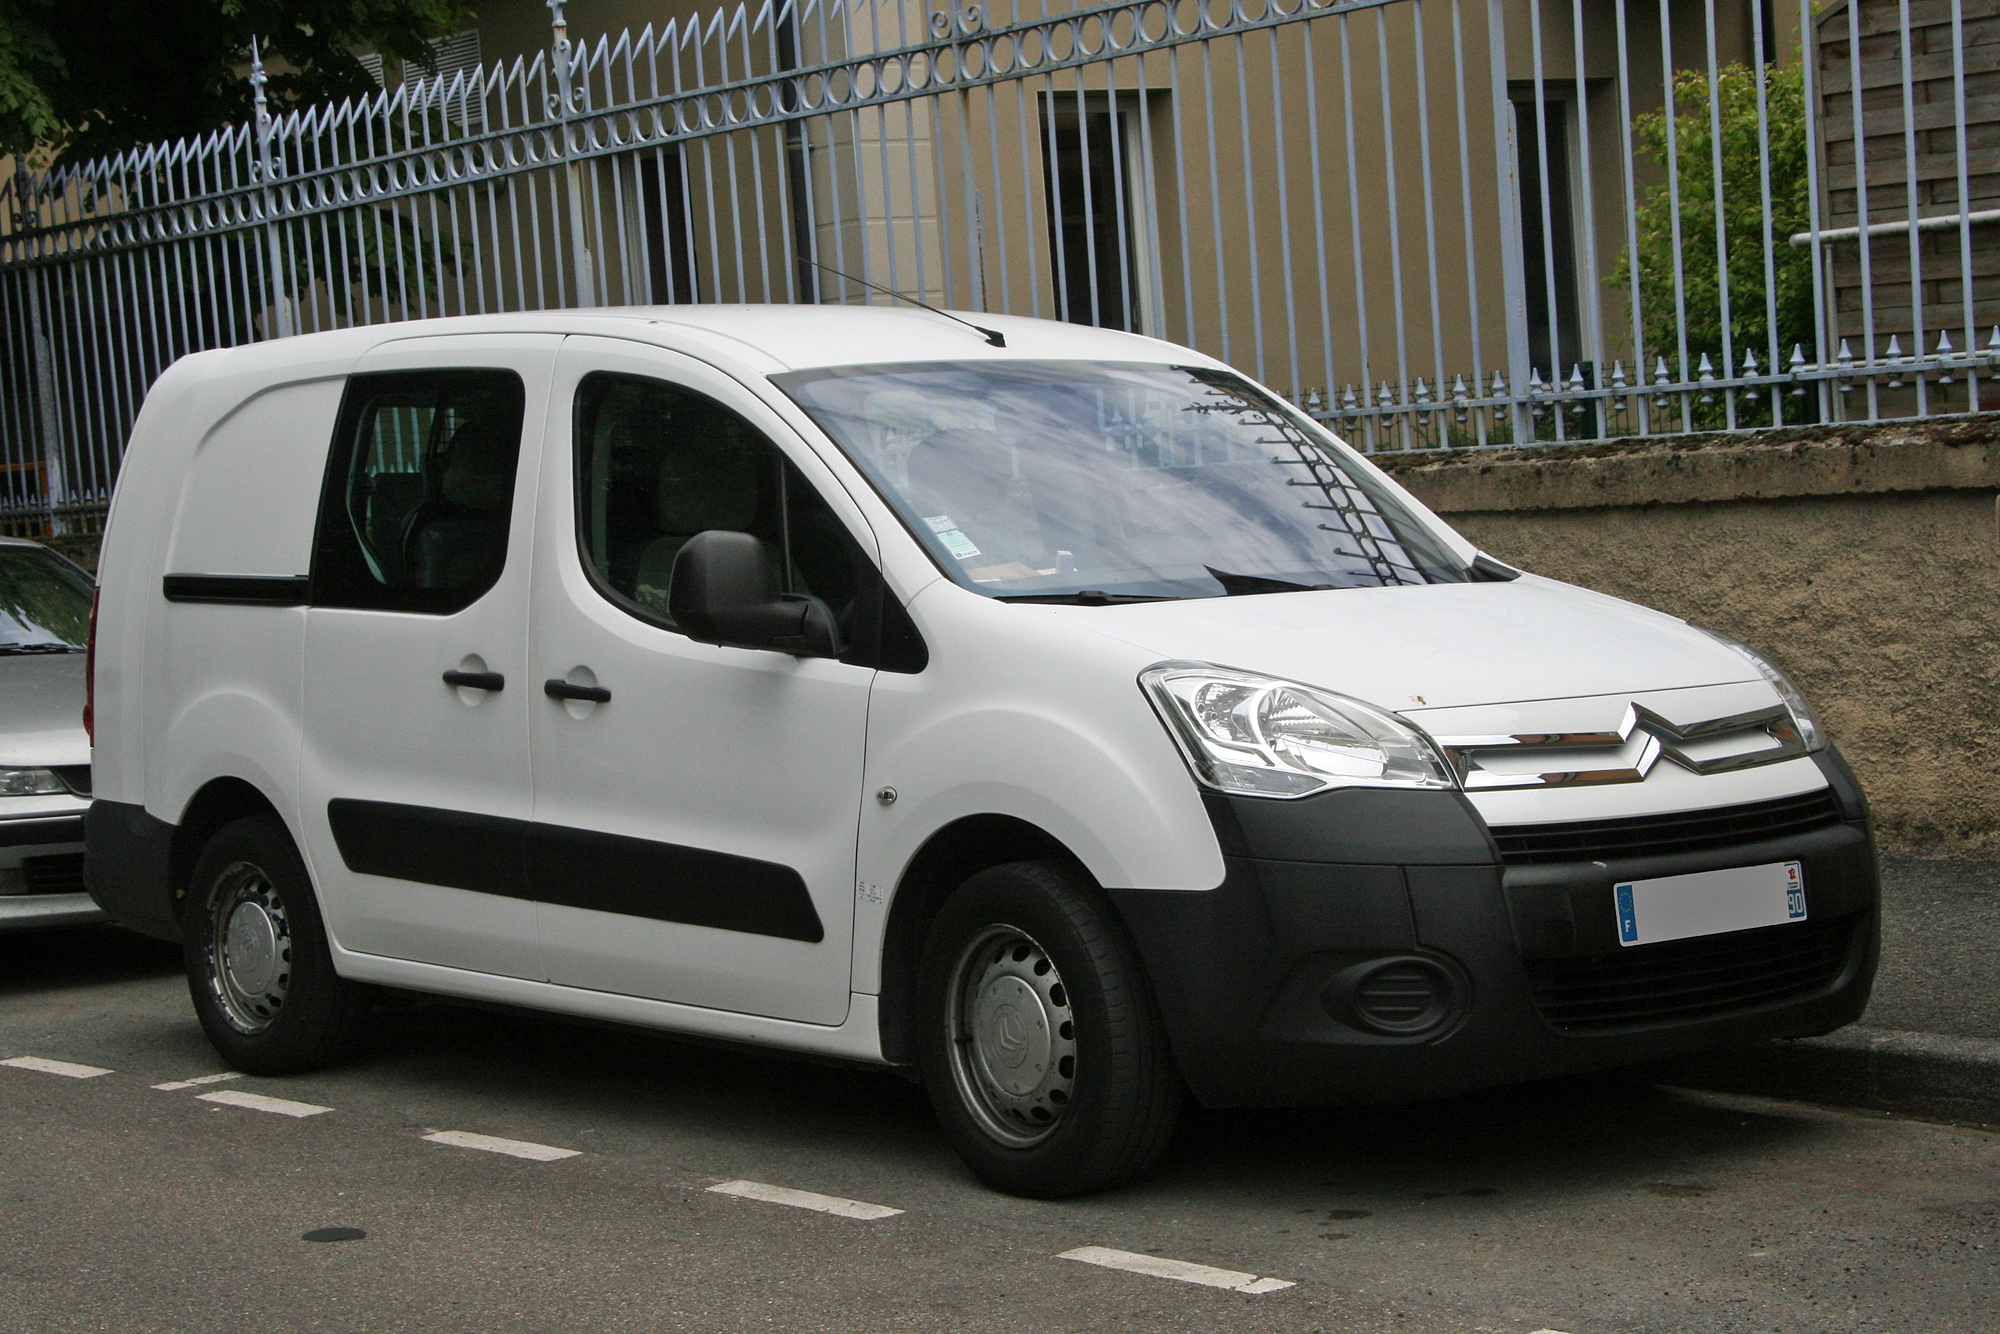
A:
993	336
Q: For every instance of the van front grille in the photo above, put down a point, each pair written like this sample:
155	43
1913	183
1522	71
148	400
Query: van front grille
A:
1665	835
1684	980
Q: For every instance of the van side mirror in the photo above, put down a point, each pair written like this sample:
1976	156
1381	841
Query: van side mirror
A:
726	591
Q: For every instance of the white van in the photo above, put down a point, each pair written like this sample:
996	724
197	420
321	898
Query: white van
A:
1050	711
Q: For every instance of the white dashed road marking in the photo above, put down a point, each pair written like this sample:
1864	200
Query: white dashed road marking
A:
804	1199
68	1069
257	1102
199	1080
513	1148
1206	1275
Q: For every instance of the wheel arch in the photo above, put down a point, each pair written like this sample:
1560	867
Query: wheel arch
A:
218	802
950	857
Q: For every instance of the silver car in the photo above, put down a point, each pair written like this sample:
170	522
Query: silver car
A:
44	752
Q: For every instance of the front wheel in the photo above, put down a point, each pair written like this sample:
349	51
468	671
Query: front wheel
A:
1040	1046
258	967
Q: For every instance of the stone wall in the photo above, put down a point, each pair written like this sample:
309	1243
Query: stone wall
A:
1863	560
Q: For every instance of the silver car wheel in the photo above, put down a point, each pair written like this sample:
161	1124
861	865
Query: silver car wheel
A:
1013	1038
249	948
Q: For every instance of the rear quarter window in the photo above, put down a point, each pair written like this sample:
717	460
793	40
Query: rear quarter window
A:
419	492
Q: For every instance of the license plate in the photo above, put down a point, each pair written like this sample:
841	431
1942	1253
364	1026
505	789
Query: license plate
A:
1708	903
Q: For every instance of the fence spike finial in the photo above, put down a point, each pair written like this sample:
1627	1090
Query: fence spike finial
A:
258	78
1618	375
1749	366
1798	364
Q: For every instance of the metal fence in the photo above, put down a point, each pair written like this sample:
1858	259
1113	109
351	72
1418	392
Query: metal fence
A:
1435	223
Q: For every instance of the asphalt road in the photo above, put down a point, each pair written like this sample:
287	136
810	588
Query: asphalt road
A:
1587	1206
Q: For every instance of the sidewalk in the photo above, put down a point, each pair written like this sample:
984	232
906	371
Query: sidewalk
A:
1930	1040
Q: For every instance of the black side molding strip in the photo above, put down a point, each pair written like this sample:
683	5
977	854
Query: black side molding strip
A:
575	868
578	868
255	590
431	846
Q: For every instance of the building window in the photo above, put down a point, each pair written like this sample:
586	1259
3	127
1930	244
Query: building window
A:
660	187
1097	175
1548	236
458	54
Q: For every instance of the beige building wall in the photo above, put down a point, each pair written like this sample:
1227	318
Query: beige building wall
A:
1260	235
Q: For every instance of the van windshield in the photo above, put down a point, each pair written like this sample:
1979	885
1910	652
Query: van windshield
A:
1065	481
44	603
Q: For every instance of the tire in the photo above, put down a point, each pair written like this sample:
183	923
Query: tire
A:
258	968
1039	1043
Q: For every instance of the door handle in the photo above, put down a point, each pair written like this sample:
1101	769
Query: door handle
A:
564	690
491	681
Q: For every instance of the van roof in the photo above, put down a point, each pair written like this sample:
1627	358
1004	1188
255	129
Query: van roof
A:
776	337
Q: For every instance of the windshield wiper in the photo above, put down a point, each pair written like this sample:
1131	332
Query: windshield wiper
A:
1242	585
40	648
1089	597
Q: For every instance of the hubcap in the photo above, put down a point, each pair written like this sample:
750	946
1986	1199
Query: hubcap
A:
1013	1037
249	948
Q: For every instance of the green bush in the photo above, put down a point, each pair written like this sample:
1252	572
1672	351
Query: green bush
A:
1744	235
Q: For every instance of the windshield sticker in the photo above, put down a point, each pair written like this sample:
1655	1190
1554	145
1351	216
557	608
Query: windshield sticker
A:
958	544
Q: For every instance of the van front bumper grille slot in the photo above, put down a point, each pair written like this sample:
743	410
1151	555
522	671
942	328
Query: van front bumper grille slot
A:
1685	980
1665	835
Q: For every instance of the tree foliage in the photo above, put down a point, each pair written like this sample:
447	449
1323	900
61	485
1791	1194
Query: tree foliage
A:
89	77
1745	236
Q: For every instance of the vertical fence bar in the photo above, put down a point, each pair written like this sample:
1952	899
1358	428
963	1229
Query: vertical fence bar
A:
1971	328
1911	188
1863	214
1719	203
1513	271
1761	37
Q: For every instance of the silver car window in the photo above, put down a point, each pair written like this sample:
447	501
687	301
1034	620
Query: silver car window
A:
44	603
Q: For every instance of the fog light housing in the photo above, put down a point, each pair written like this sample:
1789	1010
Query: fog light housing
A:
1398	996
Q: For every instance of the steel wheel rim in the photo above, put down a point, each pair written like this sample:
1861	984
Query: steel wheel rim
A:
1012	1037
249	948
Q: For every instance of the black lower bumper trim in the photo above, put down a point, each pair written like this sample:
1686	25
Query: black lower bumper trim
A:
1264	981
126	867
29	833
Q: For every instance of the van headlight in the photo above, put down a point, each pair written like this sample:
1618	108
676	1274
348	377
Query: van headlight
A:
1802	716
30	783
1267	737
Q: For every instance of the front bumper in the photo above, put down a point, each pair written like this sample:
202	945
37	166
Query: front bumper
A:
1257	978
41	872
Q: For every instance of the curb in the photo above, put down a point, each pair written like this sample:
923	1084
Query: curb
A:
1927	1074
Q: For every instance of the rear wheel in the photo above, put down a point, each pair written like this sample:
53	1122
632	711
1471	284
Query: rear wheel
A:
258	967
1040	1046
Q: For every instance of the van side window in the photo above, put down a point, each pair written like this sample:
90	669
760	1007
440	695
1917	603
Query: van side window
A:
656	464
419	490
